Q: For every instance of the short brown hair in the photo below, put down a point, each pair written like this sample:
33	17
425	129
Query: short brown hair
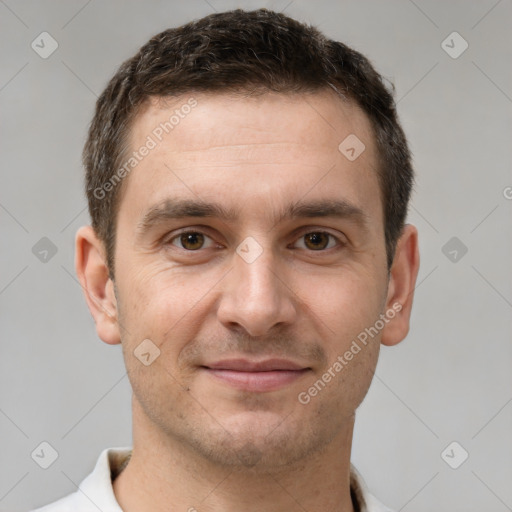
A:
249	52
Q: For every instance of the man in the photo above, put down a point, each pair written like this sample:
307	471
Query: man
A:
248	184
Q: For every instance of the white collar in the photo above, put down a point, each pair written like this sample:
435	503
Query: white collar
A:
96	491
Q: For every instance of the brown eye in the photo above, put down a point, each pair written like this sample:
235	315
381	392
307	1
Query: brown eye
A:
191	240
316	241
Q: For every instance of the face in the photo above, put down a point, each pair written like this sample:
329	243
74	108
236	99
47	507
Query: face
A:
250	252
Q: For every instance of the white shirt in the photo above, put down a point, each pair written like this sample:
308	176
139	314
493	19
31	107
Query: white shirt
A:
96	491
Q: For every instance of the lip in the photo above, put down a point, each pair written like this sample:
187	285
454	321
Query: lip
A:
256	376
244	365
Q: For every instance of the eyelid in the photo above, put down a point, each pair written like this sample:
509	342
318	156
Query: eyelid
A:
297	236
339	242
176	235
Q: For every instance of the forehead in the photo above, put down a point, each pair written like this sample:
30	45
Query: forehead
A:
269	147
321	119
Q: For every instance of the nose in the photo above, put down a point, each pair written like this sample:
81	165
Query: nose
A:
257	295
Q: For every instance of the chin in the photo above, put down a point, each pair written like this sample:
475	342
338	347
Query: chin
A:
259	442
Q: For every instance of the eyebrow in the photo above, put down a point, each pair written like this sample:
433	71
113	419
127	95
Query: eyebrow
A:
171	209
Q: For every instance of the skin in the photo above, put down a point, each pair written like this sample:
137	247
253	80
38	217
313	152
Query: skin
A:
197	440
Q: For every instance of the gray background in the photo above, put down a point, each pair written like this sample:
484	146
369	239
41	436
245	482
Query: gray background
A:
449	381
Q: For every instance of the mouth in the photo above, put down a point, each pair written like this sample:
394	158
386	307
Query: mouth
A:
256	376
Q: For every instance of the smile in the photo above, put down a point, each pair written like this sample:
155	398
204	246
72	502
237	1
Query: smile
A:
269	375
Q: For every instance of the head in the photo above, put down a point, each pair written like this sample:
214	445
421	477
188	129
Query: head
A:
248	183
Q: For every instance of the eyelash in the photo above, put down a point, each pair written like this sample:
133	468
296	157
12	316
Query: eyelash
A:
340	243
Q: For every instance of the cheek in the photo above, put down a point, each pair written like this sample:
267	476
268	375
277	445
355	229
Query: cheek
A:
346	301
166	306
158	298
357	374
349	307
159	306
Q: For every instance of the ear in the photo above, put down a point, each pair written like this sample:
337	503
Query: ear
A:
402	282
98	288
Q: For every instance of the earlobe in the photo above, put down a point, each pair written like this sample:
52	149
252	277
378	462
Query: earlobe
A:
402	282
98	288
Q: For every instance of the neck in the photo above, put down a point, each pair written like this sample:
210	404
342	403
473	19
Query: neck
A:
165	473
